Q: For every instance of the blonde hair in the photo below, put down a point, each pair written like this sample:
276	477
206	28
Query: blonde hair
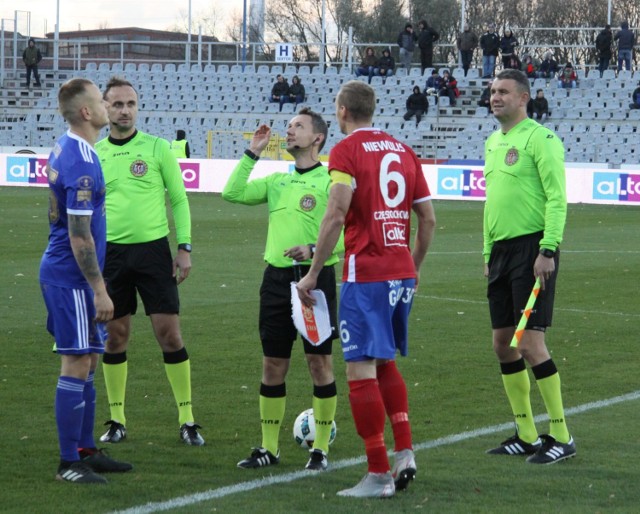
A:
358	98
69	98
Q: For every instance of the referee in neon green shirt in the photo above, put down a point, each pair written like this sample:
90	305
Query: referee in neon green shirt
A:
140	172
524	218
297	203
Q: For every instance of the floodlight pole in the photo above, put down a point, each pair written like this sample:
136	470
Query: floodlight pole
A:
244	34
56	38
187	57
324	34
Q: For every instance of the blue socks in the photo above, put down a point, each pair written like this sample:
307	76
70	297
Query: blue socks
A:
70	413
89	396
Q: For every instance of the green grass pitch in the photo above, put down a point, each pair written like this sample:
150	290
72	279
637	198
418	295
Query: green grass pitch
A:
451	373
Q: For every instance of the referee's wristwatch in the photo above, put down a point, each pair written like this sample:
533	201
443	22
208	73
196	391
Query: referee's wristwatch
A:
312	249
549	254
185	246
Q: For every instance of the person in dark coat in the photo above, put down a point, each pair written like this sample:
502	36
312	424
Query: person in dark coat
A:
31	57
297	92
508	45
626	40
417	105
427	36
603	46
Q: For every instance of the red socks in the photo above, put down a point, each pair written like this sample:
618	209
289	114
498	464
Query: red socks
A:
368	412
394	394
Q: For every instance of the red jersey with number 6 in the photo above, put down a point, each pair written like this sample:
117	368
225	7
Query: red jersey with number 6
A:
387	181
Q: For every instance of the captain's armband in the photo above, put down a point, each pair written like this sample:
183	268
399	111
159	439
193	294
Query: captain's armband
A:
340	177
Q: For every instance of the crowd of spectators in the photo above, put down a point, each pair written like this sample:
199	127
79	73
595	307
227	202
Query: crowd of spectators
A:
491	45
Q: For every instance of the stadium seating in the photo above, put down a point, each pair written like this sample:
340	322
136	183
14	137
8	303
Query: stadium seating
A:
230	100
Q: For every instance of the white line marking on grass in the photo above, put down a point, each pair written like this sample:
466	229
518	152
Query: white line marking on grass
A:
243	487
577	311
476	252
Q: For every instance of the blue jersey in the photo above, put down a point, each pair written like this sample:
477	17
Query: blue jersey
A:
76	186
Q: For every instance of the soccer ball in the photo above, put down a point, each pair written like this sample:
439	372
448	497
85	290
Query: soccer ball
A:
304	429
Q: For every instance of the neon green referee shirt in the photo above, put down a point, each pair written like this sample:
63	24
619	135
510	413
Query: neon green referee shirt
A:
297	203
525	185
137	175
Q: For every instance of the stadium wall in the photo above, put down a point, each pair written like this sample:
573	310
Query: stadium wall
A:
586	183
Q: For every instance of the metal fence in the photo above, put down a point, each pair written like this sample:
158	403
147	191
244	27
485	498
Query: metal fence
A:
567	44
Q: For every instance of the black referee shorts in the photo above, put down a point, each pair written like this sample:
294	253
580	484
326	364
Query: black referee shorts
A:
277	331
145	268
511	281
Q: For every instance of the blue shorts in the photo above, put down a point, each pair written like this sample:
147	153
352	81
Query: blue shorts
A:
71	320
374	318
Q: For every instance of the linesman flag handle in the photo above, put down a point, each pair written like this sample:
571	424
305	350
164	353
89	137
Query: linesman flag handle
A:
525	314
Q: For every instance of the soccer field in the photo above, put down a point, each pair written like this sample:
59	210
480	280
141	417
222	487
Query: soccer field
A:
457	404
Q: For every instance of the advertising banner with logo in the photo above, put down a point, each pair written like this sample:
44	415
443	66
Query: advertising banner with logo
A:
447	182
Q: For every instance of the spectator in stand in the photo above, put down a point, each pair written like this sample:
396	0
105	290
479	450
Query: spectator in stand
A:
433	82
603	46
490	44
368	65
568	78
180	145
538	107
297	93
508	45
449	87
635	98
280	91
427	35
417	105
31	57
485	97
407	43
386	65
514	63
467	42
434	85
529	67
626	39
548	67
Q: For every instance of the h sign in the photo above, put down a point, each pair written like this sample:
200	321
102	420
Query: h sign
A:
284	52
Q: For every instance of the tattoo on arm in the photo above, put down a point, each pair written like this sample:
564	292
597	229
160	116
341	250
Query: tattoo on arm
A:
84	248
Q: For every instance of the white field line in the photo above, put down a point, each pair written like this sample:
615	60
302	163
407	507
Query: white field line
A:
251	485
476	252
577	311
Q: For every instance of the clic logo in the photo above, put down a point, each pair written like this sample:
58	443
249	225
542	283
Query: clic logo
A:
461	182
624	187
29	170
394	234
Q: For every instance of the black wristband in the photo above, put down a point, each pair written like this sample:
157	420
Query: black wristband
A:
312	248
549	254
251	155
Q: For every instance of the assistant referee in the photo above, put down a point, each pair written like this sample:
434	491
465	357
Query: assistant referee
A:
524	220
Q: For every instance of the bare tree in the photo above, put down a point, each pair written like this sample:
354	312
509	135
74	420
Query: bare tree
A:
208	20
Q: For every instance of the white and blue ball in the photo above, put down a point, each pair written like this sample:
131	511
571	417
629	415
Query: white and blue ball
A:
304	429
